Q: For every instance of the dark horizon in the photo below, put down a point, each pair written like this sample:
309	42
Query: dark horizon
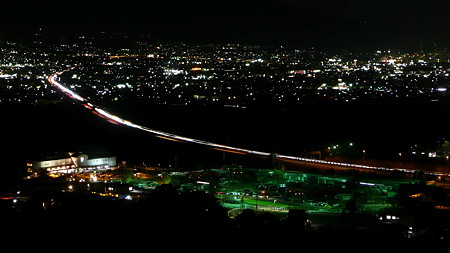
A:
410	25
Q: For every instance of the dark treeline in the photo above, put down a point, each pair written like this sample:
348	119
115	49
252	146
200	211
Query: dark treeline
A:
169	215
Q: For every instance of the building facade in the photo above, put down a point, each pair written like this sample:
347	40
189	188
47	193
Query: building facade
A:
72	163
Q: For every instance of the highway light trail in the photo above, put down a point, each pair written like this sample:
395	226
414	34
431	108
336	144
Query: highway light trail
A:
117	120
173	137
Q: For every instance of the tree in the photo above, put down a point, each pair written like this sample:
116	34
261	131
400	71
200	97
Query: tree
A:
278	176
351	206
246	219
352	184
446	147
296	219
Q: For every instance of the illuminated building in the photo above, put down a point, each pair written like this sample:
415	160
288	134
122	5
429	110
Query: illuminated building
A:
71	163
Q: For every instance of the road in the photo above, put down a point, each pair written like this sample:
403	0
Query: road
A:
53	79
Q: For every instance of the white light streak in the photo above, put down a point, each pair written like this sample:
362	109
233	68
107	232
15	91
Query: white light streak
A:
173	137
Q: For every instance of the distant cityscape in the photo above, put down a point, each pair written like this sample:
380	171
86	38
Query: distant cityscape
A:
229	74
136	71
318	189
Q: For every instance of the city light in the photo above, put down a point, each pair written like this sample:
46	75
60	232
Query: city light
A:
296	168
256	121
115	119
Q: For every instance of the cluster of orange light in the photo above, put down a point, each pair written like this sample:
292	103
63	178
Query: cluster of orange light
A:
417	195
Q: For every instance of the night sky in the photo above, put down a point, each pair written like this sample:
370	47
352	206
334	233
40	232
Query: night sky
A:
402	24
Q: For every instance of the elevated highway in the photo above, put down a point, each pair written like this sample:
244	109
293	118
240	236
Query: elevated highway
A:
54	80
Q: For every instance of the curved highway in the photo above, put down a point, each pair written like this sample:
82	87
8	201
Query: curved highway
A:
54	80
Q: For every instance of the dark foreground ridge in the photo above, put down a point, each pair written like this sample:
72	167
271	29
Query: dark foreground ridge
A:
168	214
